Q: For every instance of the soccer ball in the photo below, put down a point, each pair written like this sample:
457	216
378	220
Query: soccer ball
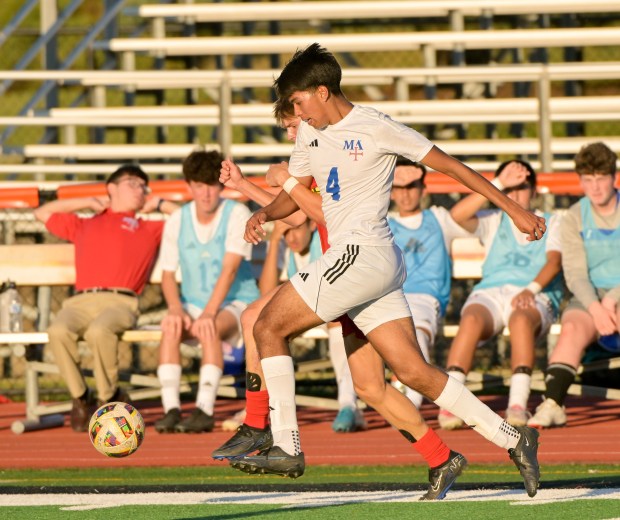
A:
116	429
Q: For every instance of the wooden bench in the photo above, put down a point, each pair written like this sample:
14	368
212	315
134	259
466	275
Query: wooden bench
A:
46	265
469	148
494	110
364	42
343	10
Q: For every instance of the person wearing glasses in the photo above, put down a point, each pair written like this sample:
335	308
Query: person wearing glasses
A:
115	251
425	237
521	288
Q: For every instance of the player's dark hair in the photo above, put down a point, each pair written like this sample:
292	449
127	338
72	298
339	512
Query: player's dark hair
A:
403	161
595	158
127	170
530	179
307	70
203	166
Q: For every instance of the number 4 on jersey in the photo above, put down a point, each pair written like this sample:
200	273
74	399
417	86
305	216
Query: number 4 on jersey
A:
332	184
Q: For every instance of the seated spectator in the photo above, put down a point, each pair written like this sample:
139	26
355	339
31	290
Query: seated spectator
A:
114	254
204	239
425	237
591	241
520	288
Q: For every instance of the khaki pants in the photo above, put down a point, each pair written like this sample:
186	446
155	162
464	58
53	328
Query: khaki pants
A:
100	319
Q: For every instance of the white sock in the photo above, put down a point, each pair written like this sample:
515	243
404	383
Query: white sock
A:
338	356
458	400
280	381
519	390
169	376
424	341
210	376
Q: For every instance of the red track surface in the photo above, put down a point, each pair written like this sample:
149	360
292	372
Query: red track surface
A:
591	437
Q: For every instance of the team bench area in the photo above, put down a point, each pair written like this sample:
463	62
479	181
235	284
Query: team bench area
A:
47	265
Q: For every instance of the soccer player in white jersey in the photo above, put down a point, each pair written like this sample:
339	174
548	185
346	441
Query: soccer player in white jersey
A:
351	151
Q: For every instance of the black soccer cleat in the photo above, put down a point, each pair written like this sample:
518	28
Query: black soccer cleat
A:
525	457
168	423
443	477
245	441
272	461
198	422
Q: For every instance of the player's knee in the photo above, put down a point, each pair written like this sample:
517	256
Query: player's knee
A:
370	391
249	317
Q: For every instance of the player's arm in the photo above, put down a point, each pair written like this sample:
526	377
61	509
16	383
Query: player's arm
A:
464	211
176	319
96	204
281	207
305	198
232	177
269	277
526	221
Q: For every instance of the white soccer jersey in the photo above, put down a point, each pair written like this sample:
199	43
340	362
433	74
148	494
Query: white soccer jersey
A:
352	162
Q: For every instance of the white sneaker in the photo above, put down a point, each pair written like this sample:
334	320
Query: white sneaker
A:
516	415
548	414
448	421
231	424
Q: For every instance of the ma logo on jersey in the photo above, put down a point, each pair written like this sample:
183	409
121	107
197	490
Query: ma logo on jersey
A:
354	147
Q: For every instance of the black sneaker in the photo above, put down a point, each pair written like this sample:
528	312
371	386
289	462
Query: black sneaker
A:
198	422
442	477
120	395
525	457
81	411
168	423
245	441
272	461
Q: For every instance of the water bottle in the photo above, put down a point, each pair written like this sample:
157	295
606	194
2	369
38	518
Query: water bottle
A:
11	309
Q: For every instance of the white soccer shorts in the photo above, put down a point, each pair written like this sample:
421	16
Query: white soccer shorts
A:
362	281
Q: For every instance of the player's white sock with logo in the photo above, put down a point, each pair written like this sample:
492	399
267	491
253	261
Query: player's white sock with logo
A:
210	376
280	381
169	376
424	341
457	399
519	389
338	356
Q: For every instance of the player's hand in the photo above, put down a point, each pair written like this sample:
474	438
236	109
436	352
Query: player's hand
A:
150	205
254	232
277	174
604	320
513	175
99	204
175	322
230	174
528	222
203	328
523	300
279	228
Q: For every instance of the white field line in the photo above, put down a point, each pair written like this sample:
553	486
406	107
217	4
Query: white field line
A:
76	502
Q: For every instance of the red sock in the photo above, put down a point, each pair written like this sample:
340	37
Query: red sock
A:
257	409
432	448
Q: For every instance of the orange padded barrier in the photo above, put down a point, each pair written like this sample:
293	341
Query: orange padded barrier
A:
561	183
19	197
175	190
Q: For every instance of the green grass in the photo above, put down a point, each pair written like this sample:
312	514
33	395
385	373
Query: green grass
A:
556	475
182	493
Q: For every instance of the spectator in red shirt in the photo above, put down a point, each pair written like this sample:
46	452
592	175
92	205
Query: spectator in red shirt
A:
114	254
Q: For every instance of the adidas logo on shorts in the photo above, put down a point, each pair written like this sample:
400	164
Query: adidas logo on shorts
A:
304	276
